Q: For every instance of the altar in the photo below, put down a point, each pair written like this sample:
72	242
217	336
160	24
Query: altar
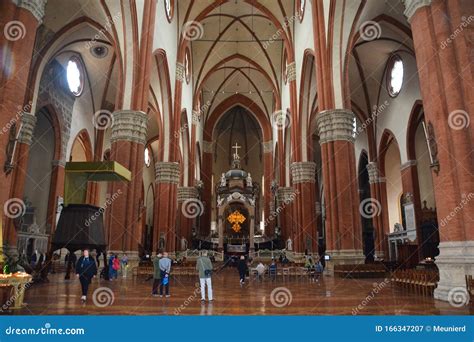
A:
237	203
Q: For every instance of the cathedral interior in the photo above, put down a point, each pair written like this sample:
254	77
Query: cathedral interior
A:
290	130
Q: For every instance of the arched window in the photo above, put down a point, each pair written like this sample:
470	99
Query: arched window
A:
187	65
75	76
395	75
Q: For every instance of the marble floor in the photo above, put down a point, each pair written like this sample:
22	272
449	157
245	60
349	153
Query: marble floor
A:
329	296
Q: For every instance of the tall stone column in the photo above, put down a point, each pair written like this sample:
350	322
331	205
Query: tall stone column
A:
189	208
167	179
19	20
343	228
304	178
128	140
379	210
443	49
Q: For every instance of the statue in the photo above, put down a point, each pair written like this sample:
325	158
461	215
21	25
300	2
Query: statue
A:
397	227
249	180
223	181
184	244
289	244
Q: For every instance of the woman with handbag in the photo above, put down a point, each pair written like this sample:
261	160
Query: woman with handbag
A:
204	266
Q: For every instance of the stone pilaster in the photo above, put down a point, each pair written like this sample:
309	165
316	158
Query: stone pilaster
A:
28	123
180	72
129	125
167	172
291	72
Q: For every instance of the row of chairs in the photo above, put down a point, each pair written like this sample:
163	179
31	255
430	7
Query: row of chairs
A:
419	281
287	273
360	270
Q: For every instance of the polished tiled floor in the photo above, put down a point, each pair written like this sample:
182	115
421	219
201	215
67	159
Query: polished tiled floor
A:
330	296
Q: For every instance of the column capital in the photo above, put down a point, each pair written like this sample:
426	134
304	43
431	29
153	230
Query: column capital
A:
129	125
411	6
407	164
374	173
303	172
207	146
186	192
267	146
59	163
291	72
180	72
36	7
28	123
167	172
285	193
335	124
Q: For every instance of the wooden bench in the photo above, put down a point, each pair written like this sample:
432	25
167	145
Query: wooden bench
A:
419	281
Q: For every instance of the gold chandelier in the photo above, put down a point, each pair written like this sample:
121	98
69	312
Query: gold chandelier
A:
236	219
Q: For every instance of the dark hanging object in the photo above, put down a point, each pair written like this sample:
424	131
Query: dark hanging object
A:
80	226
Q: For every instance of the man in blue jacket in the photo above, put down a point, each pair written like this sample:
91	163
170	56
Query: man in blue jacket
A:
86	269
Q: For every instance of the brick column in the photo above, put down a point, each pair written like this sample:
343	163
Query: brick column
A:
284	208
128	140
268	176
20	168
167	176
189	208
206	177
304	179
380	210
19	20
443	50
343	228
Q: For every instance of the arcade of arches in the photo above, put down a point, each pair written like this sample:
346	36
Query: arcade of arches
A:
335	128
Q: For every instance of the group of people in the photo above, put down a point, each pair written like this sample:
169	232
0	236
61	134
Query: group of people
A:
162	269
